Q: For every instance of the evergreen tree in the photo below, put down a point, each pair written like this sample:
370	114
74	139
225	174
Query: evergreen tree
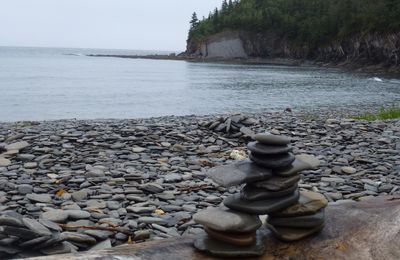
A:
224	7
194	22
230	5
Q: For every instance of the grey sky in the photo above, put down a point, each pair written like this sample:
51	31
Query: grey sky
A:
119	24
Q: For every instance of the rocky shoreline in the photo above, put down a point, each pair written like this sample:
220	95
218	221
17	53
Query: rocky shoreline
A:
347	66
74	185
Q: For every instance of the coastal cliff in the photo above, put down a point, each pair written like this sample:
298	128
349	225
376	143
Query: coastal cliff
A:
380	50
363	33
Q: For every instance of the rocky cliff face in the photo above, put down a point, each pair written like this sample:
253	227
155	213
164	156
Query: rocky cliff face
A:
365	50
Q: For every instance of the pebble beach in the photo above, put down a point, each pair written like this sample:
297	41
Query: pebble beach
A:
76	185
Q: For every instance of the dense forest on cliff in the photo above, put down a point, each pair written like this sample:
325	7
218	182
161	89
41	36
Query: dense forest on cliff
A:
307	23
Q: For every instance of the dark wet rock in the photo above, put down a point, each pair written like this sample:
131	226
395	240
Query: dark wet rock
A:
261	207
263	149
9	250
34	241
205	243
278	183
18	232
152	188
238	239
273	161
307	221
293	234
238	173
252	193
222	219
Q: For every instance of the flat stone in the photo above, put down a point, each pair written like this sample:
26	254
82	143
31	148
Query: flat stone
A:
273	161
98	234
139	210
34	241
55	215
309	159
10	221
10	250
309	203
62	248
79	195
261	207
43	198
308	221
152	220
252	193
270	139
239	239
278	183
264	149
30	165
18	232
293	234
152	187
36	227
223	219
25	188
205	243
26	157
172	177
101	245
17	146
77	214
238	173
77	237
296	167
4	162
348	170
138	149
50	224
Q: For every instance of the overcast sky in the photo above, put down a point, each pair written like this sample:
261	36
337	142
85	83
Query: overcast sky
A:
115	24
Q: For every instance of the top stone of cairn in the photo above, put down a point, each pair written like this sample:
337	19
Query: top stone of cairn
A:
270	139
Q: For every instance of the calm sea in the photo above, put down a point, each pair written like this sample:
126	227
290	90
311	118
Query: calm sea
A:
55	83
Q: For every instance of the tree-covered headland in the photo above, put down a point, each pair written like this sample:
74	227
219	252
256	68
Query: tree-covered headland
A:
305	23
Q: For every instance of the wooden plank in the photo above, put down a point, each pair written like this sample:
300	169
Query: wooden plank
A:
354	230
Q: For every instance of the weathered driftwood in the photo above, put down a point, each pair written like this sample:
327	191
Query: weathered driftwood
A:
362	230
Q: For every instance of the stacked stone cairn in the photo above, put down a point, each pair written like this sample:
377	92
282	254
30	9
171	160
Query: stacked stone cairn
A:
270	188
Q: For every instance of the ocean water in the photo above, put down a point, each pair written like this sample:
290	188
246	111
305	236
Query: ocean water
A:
55	83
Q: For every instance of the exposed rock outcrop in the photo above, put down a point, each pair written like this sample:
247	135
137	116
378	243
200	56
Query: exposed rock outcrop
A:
365	50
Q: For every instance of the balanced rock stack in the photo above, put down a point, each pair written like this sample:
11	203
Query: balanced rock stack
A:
271	179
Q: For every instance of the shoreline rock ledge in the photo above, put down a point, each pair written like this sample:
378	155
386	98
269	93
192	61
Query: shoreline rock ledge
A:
365	230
